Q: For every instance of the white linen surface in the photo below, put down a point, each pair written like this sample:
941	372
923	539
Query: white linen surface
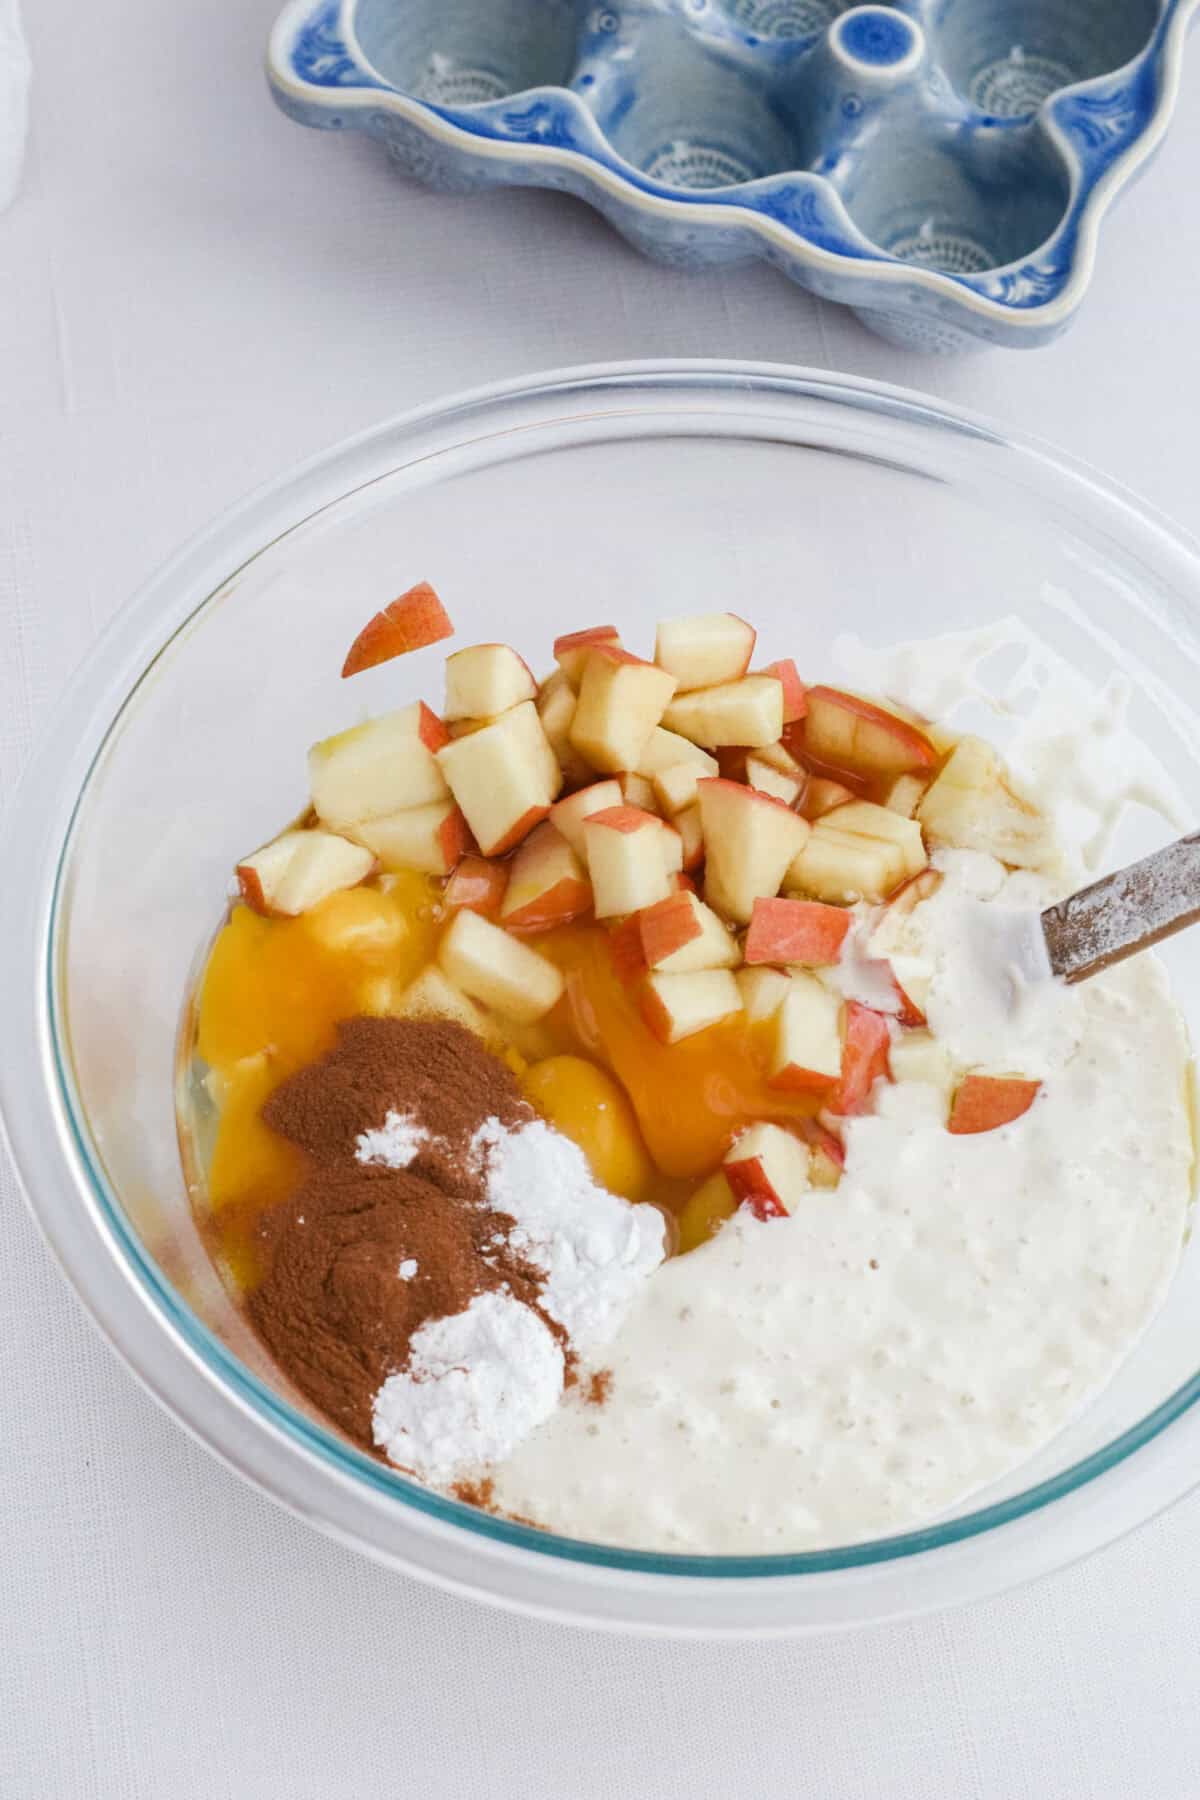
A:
194	294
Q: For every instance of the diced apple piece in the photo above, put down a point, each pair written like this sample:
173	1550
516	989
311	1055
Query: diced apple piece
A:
556	710
380	767
796	931
821	796
674	764
490	966
705	649
625	948
477	885
691	836
704	1214
828	1154
808	1041
671	844
778	756
621	700
891	934
750	842
919	1056
484	680
567	816
417	618
430	838
637	791
763	991
299	869
863	819
904	795
769	1170
626	860
795	694
547	885
678	1006
769	780
503	777
746	712
433	996
984	1102
864	1058
840	867
571	651
850	733
973	806
681	933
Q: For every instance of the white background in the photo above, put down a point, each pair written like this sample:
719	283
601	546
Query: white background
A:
193	295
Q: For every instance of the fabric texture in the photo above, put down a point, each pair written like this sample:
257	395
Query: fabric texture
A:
195	295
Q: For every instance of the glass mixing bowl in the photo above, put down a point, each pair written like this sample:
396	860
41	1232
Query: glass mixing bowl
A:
814	505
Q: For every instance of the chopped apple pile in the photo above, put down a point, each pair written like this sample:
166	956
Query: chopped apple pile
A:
721	829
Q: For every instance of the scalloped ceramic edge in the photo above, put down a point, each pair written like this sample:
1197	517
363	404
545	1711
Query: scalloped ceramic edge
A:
1103	129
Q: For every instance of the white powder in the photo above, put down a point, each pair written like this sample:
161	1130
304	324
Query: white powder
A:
408	1268
395	1144
595	1250
477	1383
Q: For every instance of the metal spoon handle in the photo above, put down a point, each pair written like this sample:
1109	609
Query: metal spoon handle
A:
1126	912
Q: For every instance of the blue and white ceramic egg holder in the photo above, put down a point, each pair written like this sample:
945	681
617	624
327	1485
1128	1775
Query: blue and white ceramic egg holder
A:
941	166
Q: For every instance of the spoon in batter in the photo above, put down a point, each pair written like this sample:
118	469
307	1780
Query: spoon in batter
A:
1125	912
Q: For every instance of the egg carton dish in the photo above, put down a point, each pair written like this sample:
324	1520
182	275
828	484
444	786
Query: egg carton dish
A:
941	166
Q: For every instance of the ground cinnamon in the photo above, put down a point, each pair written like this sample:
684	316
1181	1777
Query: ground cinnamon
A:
333	1307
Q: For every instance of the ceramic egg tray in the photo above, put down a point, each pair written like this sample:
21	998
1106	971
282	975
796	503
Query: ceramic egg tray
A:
939	165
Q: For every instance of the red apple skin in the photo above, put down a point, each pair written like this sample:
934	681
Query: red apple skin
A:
559	905
665	927
795	694
655	1014
417	618
430	729
913	747
795	1080
477	885
250	888
521	829
589	639
623	818
452	839
908	1012
752	1189
684	883
795	931
824	1142
625	948
984	1102
864	1058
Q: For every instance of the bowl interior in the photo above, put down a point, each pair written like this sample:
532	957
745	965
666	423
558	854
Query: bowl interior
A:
812	510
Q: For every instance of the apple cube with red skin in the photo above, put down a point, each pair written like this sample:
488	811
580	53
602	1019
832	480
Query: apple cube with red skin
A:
847	732
974	806
807	1054
750	843
864	1058
556	710
681	933
678	1006
828	1153
547	885
478	885
484	680
571	650
504	778
769	1170
796	931
705	649
748	712
621	700
763	991
625	854
985	1102
770	780
430	838
383	766
674	765
567	816
300	869
795	694
841	866
417	618
691	836
498	970
625	949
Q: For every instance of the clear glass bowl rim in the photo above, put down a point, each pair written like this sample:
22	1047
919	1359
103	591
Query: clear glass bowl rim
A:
616	386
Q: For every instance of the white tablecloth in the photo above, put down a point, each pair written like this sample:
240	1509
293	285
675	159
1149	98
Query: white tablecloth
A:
193	295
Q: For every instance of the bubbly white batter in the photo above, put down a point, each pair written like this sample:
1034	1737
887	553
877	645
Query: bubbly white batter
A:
919	1331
